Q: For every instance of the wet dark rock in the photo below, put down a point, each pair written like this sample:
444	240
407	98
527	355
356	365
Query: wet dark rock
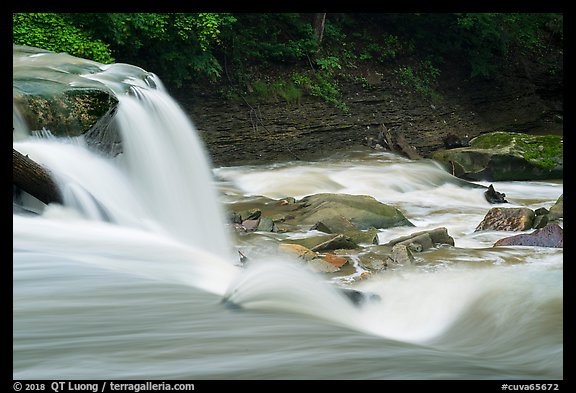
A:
325	242
499	156
250	225
234	217
266	224
552	235
360	297
507	219
252	214
540	221
557	211
452	141
426	239
402	254
493	196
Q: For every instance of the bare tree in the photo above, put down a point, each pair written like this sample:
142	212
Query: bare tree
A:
318	26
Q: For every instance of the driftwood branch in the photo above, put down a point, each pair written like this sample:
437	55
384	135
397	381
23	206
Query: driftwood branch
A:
407	149
385	138
31	177
399	145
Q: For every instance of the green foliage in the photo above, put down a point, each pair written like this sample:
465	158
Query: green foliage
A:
387	47
179	47
286	90
329	64
486	37
542	150
268	38
203	47
265	40
363	81
421	79
484	42
54	33
321	85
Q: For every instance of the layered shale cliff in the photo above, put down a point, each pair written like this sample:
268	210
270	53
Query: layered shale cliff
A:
524	98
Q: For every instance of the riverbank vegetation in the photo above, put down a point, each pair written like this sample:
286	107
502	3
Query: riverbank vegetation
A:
284	55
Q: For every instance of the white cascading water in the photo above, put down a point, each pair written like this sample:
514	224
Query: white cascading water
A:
154	212
168	166
162	184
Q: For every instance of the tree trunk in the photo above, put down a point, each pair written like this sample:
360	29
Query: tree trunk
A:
34	179
318	26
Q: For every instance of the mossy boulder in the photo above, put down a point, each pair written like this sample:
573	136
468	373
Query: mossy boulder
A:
363	211
50	93
68	112
505	156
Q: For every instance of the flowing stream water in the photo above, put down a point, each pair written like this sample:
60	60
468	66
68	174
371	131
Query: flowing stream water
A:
127	278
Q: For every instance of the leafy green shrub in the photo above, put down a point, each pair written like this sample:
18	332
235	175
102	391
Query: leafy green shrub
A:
489	37
178	47
53	32
421	79
269	38
321	85
277	89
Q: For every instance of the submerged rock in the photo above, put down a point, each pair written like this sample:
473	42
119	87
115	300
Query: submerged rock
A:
319	265
493	196
299	250
359	297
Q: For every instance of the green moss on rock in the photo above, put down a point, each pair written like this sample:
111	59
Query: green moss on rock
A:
541	150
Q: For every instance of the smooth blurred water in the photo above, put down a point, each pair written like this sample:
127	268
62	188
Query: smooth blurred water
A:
94	299
135	275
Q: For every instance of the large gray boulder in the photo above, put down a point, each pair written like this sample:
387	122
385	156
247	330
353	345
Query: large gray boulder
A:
501	156
363	211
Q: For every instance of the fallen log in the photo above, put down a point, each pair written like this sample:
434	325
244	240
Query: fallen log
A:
34	179
408	150
385	138
401	145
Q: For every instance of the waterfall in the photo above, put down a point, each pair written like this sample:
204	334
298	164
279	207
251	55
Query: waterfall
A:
19	125
163	178
132	276
170	169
